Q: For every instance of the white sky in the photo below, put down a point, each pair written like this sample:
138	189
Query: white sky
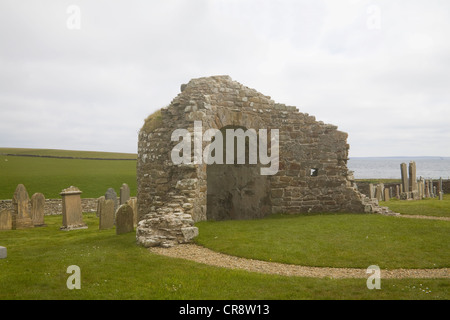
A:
379	70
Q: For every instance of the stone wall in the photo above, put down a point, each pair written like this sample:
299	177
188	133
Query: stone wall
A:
54	206
312	175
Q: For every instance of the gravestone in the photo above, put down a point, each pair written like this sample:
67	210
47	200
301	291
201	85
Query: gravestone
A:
441	195
386	195
71	209
132	202
379	192
37	209
106	214
124	193
112	195
6	219
3	253
412	177
397	191
124	219
371	191
404	173
100	201
21	216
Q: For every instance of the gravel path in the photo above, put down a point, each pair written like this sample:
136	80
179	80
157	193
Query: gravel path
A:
206	256
203	255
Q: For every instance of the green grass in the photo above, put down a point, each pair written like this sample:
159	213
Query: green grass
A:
343	240
114	267
424	207
50	175
67	153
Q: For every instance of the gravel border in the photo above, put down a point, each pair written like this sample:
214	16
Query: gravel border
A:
206	256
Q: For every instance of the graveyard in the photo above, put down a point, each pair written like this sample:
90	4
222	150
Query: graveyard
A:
113	266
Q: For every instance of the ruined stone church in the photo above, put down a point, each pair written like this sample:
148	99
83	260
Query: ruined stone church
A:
311	173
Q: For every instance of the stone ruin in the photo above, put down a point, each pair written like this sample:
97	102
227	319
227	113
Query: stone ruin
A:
311	175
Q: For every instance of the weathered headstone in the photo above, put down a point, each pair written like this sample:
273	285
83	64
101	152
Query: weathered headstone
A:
3	253
100	202
132	202
427	189
6	219
386	195
124	219
441	195
440	186
412	177
106	220
380	192
21	216
71	209
371	191
124	193
404	173
37	209
112	195
397	191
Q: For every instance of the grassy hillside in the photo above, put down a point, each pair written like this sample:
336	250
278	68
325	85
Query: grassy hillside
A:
67	153
50	175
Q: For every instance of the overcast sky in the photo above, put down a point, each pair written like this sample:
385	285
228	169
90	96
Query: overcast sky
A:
83	75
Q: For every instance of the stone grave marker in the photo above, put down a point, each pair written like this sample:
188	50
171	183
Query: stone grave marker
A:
37	209
21	216
6	219
71	209
100	201
112	195
106	214
124	219
404	173
3	253
132	202
124	193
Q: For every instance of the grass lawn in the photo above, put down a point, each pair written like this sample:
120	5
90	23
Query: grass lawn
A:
333	240
424	207
50	175
113	267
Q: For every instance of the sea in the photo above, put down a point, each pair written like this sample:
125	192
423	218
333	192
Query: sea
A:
389	167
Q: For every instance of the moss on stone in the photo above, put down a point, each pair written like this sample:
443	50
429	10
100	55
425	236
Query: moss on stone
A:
153	122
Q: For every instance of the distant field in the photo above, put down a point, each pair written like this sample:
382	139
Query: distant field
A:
67	153
50	175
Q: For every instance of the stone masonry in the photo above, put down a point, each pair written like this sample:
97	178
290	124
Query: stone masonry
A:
312	174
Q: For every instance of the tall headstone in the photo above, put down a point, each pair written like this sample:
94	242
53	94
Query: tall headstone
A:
133	204
71	209
100	202
412	177
371	191
21	216
106	216
379	195
124	193
397	191
6	219
124	219
440	186
386	195
37	209
112	195
404	173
